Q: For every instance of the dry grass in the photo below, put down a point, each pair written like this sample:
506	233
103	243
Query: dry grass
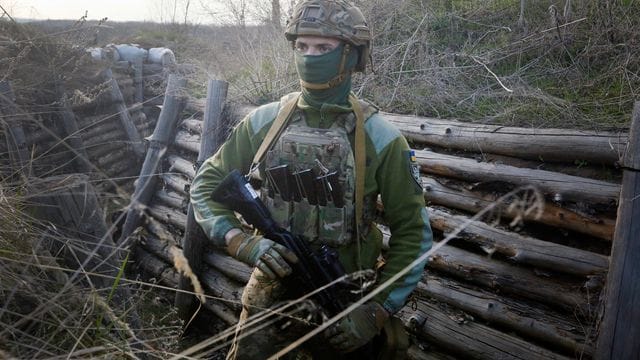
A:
468	60
474	62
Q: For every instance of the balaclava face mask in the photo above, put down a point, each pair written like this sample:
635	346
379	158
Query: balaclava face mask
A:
319	69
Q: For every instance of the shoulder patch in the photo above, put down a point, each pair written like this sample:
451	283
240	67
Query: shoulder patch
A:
413	168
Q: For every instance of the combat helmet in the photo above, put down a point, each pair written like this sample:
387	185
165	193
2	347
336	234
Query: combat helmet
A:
332	18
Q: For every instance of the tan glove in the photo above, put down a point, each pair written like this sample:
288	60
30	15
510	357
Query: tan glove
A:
357	328
270	257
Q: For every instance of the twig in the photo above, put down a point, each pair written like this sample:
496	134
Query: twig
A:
492	73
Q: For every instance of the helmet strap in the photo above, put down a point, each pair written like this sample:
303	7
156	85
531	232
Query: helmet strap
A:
337	79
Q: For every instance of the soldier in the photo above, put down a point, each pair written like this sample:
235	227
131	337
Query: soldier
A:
350	154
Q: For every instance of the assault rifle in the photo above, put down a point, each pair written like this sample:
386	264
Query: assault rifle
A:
313	270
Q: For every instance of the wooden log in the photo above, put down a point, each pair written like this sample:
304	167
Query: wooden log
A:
123	115
116	135
177	182
166	275
168	215
156	268
466	338
619	331
521	249
226	314
13	131
85	123
181	165
437	193
118	167
527	321
417	352
193	125
96	150
121	155
100	129
223	288
509	279
171	199
157	247
109	117
528	143
186	141
69	202
160	231
160	139
72	137
194	240
559	187
227	265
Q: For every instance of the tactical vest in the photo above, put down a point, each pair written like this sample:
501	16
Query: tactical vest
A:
309	179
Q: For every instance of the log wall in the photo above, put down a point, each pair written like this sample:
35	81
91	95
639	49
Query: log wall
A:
98	129
510	285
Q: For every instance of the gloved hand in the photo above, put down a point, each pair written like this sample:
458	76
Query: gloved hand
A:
272	258
357	328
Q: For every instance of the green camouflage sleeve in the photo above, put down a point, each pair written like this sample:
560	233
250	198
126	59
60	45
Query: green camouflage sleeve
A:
397	177
236	153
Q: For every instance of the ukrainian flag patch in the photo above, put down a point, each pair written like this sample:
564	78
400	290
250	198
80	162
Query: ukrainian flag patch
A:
414	168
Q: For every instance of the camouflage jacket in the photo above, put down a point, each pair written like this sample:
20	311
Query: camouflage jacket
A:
390	172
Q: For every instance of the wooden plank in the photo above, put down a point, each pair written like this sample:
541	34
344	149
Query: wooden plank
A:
195	240
181	165
138	68
462	336
223	288
171	199
193	125
620	330
187	141
559	187
553	215
510	279
227	265
418	352
177	182
123	114
528	322
561	145
521	249
168	215
162	136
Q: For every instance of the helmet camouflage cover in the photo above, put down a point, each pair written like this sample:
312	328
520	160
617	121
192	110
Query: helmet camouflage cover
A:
331	18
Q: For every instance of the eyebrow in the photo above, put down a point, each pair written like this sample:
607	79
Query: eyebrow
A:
315	44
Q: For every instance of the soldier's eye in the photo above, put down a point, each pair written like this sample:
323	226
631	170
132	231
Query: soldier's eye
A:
325	48
301	47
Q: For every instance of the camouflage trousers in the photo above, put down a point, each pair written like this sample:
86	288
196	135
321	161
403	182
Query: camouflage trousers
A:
259	339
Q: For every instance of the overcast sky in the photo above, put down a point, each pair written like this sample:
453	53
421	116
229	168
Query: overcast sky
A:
115	10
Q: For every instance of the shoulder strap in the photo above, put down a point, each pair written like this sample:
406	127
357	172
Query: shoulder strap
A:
286	109
360	158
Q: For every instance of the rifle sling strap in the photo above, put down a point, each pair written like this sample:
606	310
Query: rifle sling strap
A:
276	129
